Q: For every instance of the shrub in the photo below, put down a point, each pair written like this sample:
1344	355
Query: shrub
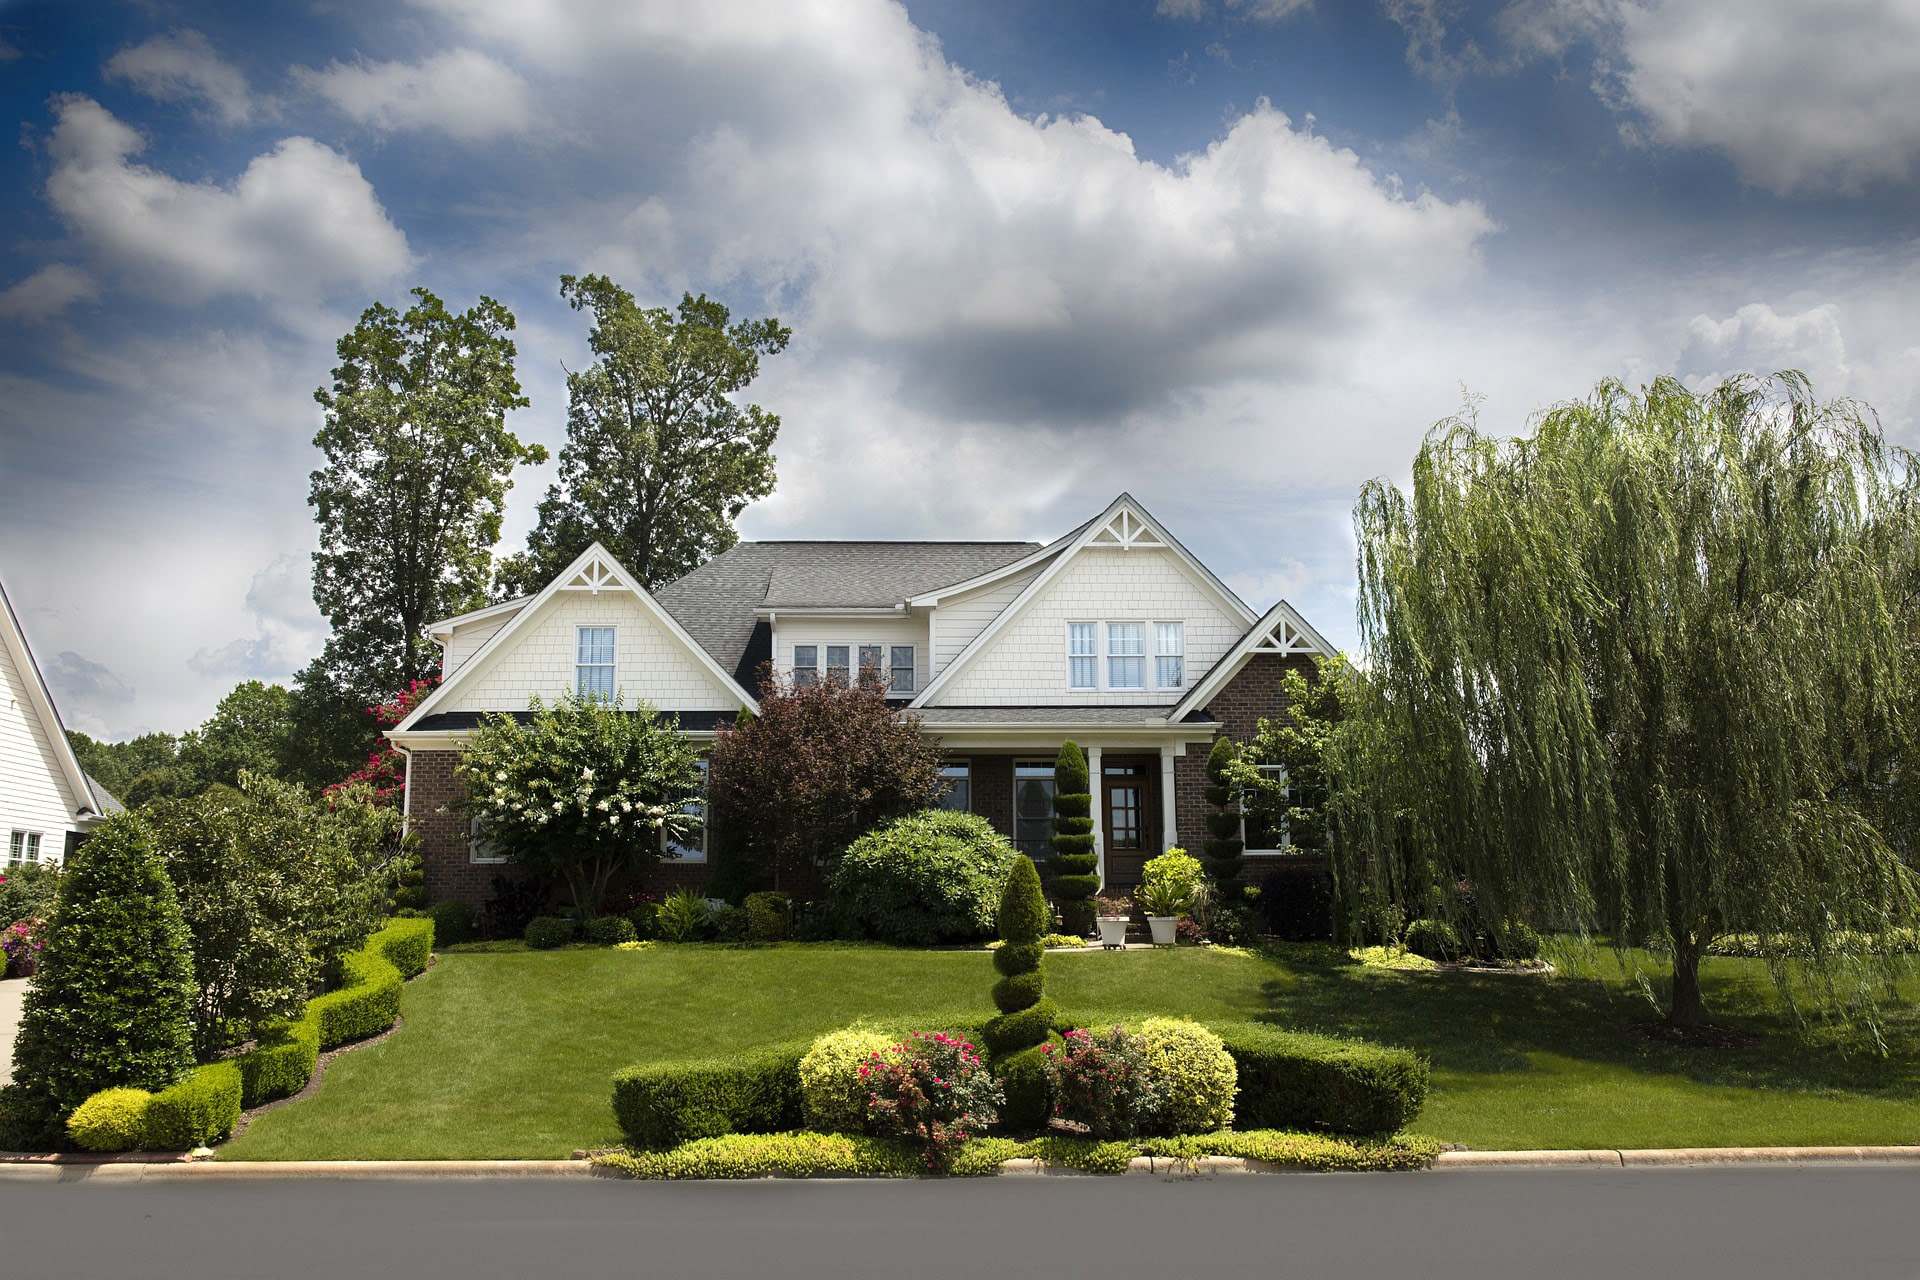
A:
407	945
201	1109
453	923
663	1104
645	918
1223	845
1196	1070
111	1120
1028	1092
1297	902
682	916
931	1090
1176	874
1100	1079
365	1005
730	924
833	1094
767	913
515	902
281	1062
1026	1015
1517	941
1297	1080
544	933
1074	859
28	891
930	877
1434	939
409	883
605	931
20	946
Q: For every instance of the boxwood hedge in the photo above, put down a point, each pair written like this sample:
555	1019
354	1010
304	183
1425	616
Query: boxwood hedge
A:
1299	1080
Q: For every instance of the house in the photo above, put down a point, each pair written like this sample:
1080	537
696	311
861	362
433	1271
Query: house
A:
1113	636
47	802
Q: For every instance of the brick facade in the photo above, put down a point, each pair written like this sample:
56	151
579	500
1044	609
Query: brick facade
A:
1251	696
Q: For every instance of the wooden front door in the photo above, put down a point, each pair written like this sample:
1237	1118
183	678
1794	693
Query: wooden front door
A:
1129	817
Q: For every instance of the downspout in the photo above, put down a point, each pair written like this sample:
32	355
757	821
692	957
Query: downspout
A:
406	790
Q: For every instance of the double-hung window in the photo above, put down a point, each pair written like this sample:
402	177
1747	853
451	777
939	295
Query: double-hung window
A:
1170	655
694	847
1266	832
481	846
871	656
839	664
1033	808
1112	656
900	668
23	847
1126	656
806	665
593	668
1083	664
891	665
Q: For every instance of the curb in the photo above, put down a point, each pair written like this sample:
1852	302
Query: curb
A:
1674	1157
122	1172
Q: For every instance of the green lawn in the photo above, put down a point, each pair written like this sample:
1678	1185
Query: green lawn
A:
508	1055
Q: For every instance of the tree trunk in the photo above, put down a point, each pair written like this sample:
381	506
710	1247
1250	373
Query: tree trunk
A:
1688	1009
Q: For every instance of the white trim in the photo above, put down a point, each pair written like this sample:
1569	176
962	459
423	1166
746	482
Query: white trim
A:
1282	630
1286	836
86	806
991	576
593	570
613	667
1103	655
444	628
1169	814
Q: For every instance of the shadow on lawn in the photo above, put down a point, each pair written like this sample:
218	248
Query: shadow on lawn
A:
1490	1023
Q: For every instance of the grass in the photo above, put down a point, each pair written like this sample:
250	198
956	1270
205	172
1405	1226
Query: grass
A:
509	1054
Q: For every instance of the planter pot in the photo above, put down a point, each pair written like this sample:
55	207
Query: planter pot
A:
1113	931
1162	927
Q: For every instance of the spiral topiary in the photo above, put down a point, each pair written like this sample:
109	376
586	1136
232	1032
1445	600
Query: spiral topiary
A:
1223	824
1026	1014
1074	859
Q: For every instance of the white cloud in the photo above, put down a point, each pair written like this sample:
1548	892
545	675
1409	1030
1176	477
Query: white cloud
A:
300	223
290	629
47	292
1756	339
1191	10
182	66
463	93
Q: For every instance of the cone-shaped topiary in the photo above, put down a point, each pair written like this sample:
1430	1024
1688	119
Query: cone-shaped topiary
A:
1223	824
109	1006
1074	860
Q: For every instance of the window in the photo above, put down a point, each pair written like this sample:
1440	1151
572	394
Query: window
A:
1170	654
839	667
870	656
892	665
1033	808
593	674
695	849
480	845
902	669
806	665
1083	671
959	793
23	847
1126	656
1259	832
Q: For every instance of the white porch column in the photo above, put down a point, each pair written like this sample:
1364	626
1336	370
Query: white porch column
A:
1169	819
1099	841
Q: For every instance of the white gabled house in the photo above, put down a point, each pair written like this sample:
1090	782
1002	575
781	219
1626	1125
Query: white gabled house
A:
47	802
1114	636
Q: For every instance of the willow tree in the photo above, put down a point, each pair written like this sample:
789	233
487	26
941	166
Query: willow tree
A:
1648	672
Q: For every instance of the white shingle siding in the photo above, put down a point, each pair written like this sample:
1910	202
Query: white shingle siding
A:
649	661
466	641
1026	663
34	793
959	620
804	629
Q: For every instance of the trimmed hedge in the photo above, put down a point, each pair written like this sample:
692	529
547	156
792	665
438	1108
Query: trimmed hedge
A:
664	1104
407	945
1300	1080
111	1120
454	922
281	1063
200	1110
544	933
367	1002
609	931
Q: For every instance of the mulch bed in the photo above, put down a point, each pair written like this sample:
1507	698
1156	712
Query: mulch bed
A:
1704	1036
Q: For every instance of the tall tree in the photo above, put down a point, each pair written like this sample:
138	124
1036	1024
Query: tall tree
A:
249	730
418	464
659	460
1649	671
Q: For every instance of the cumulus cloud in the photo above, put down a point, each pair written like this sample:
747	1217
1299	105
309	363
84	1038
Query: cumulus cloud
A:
1252	10
182	66
1758	340
290	629
47	292
300	223
463	93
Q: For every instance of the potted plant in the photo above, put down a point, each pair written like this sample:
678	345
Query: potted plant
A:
1114	912
1163	903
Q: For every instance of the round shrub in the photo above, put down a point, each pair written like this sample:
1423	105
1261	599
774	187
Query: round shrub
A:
833	1094
1101	1080
111	1120
927	878
1434	939
1196	1070
453	923
1176	869
605	931
544	933
646	920
767	914
730	924
1518	941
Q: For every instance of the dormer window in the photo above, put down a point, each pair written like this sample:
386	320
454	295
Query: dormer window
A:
593	668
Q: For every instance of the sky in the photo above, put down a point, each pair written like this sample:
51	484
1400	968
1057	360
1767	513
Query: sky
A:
1232	256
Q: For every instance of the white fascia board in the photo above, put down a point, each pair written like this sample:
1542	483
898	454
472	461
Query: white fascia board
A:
929	598
79	789
444	628
1236	658
620	579
831	611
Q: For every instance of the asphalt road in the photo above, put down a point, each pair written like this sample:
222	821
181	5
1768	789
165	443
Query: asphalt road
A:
1695	1223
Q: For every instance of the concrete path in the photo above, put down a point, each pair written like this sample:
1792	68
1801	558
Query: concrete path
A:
13	991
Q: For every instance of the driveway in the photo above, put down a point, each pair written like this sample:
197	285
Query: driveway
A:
12	992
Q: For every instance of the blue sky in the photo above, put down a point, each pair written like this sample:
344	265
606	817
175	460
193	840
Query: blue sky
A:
1234	256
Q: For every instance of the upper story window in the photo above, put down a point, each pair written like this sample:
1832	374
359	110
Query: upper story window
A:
1112	656
1170	654
892	665
1083	661
593	669
1126	656
806	665
900	669
839	663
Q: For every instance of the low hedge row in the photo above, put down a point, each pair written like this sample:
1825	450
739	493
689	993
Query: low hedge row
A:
1298	1080
195	1111
664	1104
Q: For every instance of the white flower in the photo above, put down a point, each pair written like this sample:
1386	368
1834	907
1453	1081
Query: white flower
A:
626	805
587	774
614	821
604	806
500	776
558	806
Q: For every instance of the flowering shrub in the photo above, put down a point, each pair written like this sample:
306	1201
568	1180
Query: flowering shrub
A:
932	1090
386	769
1100	1079
22	941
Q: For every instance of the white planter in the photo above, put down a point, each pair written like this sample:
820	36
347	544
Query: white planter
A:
1113	931
1162	926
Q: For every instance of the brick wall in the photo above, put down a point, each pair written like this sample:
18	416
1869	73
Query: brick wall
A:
1253	694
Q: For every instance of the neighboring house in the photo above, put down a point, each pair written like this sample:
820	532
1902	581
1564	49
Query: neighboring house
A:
47	803
1113	636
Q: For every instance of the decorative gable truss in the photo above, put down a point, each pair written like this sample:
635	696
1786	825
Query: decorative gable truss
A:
1126	529
1282	631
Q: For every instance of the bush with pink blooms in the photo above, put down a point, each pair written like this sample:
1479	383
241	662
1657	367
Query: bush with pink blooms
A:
1100	1079
932	1090
21	942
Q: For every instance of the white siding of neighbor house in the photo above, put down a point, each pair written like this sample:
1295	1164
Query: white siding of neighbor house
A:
34	793
959	620
466	641
1026	663
803	629
650	662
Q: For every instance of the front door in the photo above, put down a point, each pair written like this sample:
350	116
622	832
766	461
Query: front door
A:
1129	818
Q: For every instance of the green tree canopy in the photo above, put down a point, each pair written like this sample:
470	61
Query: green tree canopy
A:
1648	672
418	464
659	460
248	731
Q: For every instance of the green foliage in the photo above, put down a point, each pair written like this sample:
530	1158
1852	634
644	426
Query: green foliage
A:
1018	991
1029	1092
1026	1014
585	791
198	1111
833	1094
931	877
663	1104
1433	939
281	1061
1011	1032
1012	958
544	933
607	931
681	916
110	1005
1023	915
1295	1080
1074	861
1196	1070
249	731
410	882
789	1155
1303	1151
1315	709
368	999
28	891
453	923
410	497
111	1120
768	914
1223	824
115	765
1517	940
1648	673
407	945
660	457
1101	1079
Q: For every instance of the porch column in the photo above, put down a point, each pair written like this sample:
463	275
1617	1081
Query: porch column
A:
1169	819
1099	842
